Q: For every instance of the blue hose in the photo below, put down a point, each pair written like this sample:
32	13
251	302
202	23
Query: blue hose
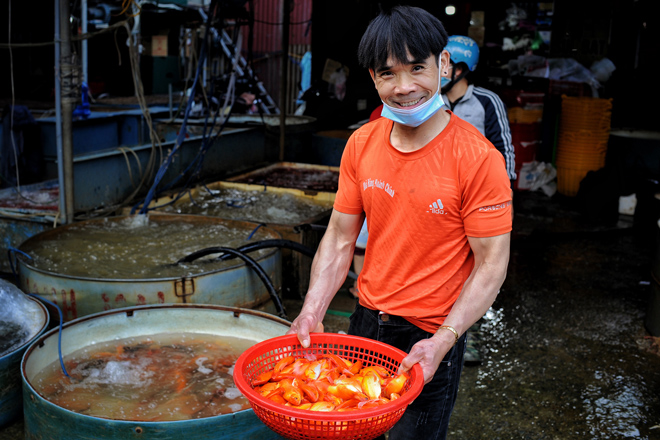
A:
59	311
59	334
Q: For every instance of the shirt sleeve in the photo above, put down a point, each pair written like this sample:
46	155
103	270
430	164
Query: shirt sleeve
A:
487	194
349	199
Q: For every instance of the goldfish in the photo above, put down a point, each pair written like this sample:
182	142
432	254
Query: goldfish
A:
329	382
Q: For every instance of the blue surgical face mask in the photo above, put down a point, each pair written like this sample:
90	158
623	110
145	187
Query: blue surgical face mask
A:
418	115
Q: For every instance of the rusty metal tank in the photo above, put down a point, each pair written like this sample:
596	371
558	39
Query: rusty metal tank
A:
47	421
77	293
11	401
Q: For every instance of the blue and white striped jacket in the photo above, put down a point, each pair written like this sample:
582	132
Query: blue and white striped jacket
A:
486	111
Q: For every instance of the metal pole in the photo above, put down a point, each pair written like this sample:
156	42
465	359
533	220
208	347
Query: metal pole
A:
169	93
58	111
83	14
284	72
68	100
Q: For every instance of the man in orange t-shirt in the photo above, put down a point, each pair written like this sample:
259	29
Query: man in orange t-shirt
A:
438	202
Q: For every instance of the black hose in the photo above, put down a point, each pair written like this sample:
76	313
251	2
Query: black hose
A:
288	244
264	244
251	247
308	227
250	262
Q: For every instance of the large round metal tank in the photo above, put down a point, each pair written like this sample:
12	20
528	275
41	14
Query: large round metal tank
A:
46	421
11	401
234	284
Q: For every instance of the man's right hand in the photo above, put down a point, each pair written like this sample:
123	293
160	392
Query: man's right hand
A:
303	325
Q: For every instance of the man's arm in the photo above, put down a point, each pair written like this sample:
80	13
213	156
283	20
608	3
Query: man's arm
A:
491	258
329	269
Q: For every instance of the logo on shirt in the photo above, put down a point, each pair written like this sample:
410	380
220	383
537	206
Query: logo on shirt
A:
377	183
495	207
437	207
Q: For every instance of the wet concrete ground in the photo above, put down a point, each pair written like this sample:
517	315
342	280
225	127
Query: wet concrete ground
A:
566	353
565	350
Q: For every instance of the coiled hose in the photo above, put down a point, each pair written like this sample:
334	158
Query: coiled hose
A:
237	253
251	247
288	244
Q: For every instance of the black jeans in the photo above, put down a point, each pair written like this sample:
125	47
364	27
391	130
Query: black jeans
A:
427	418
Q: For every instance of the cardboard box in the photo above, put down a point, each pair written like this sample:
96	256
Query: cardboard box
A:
159	45
332	66
477	18
477	33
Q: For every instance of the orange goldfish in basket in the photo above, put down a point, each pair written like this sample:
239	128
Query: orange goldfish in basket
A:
329	383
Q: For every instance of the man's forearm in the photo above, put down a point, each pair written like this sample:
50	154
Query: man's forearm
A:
482	286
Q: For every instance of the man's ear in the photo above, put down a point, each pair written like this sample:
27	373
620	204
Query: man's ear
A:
444	63
373	76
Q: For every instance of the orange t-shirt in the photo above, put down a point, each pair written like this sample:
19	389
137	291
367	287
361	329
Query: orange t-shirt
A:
421	206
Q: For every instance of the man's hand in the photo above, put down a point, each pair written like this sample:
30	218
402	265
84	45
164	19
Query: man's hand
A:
303	325
428	353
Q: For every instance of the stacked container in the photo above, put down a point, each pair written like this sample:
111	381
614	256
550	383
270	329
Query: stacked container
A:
525	125
584	131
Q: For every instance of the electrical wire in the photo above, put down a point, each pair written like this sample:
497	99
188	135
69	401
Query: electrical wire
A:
210	134
207	141
156	146
280	23
179	141
125	150
127	4
74	38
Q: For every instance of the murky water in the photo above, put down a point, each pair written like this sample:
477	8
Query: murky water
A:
162	377
256	206
139	247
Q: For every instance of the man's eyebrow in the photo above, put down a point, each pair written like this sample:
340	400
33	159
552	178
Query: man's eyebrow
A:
418	61
407	62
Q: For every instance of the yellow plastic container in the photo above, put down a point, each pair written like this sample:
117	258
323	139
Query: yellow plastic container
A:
568	179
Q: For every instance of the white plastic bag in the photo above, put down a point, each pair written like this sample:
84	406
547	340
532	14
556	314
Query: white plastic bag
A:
538	175
19	318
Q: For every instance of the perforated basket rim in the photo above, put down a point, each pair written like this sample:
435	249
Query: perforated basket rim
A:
317	340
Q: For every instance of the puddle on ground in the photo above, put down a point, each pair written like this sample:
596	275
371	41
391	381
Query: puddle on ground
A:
563	358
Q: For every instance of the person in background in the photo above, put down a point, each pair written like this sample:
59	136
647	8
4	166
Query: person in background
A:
476	105
486	111
438	203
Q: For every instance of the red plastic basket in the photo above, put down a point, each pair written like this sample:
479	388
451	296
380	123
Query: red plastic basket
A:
304	424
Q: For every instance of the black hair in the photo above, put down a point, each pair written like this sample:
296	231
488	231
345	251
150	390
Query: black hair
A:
398	32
